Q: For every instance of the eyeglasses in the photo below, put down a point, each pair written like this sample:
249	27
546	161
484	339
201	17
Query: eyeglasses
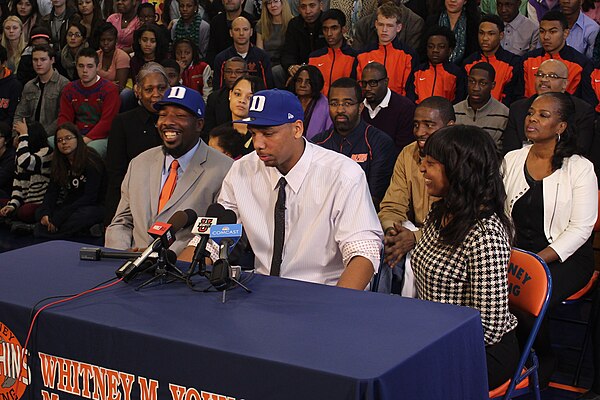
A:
65	139
71	34
370	82
269	2
344	104
473	82
542	75
235	71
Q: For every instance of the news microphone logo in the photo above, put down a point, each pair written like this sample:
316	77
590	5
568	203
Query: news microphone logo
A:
163	231
230	232
203	224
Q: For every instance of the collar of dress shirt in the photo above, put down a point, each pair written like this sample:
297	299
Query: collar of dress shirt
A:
184	160
296	175
384	103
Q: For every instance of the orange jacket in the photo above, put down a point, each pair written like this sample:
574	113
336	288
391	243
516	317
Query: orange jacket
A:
334	64
574	60
398	59
446	80
505	64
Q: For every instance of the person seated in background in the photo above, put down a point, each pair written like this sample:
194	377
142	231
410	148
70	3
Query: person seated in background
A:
554	30
240	96
384	109
41	95
39	36
58	20
480	108
462	256
66	59
336	60
398	59
91	102
7	162
113	62
228	141
582	29
437	76
306	84
173	70
148	45
32	174
406	202
321	190
506	64
258	61
195	73
191	26
182	173
133	132
10	90
303	36
365	31
270	35
220	25
371	148
73	200
521	34
125	21
551	76
217	105
552	196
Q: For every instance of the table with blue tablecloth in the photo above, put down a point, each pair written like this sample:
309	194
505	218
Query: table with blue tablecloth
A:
285	340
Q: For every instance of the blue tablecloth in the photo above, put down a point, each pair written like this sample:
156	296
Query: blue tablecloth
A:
285	340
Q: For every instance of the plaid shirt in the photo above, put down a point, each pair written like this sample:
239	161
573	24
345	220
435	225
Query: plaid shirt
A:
472	275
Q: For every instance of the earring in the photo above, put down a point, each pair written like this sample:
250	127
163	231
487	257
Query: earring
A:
558	138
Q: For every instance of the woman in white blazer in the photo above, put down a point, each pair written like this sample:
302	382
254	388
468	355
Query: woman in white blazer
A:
552	197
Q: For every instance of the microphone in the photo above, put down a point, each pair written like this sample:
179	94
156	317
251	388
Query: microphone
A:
202	228
164	235
226	236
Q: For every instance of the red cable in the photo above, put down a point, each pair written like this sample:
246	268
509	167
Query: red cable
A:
24	355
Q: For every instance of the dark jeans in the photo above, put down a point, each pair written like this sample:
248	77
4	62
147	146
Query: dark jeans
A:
81	220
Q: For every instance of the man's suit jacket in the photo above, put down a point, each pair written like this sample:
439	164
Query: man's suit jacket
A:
196	188
514	134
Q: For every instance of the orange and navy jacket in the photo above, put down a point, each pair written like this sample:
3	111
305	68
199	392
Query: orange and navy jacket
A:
590	89
506	65
399	60
334	64
446	80
577	63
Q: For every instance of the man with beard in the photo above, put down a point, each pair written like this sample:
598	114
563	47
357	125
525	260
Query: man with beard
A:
371	148
406	201
183	173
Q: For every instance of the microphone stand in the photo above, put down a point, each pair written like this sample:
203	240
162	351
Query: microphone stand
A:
238	283
164	269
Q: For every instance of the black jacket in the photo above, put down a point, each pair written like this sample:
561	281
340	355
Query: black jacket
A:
300	41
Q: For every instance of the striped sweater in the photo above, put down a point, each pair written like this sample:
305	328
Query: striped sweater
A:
32	174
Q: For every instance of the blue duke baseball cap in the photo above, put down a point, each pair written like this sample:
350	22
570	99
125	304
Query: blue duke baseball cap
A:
183	97
273	107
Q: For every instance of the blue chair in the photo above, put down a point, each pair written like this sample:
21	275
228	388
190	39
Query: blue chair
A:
532	296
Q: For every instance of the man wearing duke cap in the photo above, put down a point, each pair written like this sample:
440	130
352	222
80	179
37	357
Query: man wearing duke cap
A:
182	173
306	210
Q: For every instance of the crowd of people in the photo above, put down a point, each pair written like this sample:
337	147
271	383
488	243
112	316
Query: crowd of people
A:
429	136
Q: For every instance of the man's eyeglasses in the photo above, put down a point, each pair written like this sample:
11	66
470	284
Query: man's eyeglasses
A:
542	75
370	82
235	71
344	104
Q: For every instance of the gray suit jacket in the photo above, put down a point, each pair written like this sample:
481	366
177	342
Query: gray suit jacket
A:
196	188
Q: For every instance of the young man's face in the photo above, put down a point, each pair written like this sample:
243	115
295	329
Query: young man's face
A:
87	69
507	9
241	31
387	29
552	36
42	63
333	32
438	49
489	37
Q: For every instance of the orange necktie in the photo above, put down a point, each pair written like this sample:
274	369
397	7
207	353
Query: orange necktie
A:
169	185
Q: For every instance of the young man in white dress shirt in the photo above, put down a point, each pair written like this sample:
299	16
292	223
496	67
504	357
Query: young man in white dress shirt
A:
331	233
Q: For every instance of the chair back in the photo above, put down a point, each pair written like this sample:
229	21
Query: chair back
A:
529	282
530	286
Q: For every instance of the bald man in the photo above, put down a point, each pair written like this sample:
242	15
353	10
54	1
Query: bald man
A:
551	76
259	63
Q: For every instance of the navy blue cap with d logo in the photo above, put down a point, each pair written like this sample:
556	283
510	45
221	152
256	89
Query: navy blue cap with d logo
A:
273	107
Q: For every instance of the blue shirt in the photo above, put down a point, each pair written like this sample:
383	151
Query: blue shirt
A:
583	35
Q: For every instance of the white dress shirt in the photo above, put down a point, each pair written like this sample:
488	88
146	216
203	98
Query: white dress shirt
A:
329	215
384	103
